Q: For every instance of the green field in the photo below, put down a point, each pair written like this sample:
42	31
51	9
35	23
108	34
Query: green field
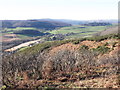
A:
78	29
11	30
19	28
21	36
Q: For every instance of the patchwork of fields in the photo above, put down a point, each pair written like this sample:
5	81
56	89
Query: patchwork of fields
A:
79	31
67	32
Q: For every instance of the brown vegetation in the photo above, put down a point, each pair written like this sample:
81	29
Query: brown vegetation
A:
86	64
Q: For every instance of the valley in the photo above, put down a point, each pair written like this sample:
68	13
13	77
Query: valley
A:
60	55
21	34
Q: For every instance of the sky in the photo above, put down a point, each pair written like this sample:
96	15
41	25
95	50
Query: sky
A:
58	9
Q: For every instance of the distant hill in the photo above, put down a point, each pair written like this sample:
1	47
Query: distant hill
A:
72	22
109	21
46	25
78	22
98	24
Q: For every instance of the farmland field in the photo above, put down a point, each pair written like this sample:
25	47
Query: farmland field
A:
18	28
23	32
79	30
74	31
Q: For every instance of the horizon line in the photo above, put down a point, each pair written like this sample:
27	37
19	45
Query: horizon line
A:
61	19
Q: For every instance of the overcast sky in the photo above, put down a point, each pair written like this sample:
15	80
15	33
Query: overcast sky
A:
58	9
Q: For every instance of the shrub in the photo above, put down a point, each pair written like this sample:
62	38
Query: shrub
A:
101	49
84	47
106	44
76	42
15	66
100	38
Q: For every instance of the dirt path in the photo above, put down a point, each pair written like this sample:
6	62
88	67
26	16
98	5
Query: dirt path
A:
23	45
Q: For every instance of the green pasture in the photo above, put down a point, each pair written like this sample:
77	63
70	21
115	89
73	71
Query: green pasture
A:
78	29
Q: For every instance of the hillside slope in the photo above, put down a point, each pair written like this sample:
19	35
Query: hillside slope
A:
112	30
82	63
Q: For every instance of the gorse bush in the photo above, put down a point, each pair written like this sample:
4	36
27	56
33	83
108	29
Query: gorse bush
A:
100	38
77	41
97	38
84	47
101	49
106	44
